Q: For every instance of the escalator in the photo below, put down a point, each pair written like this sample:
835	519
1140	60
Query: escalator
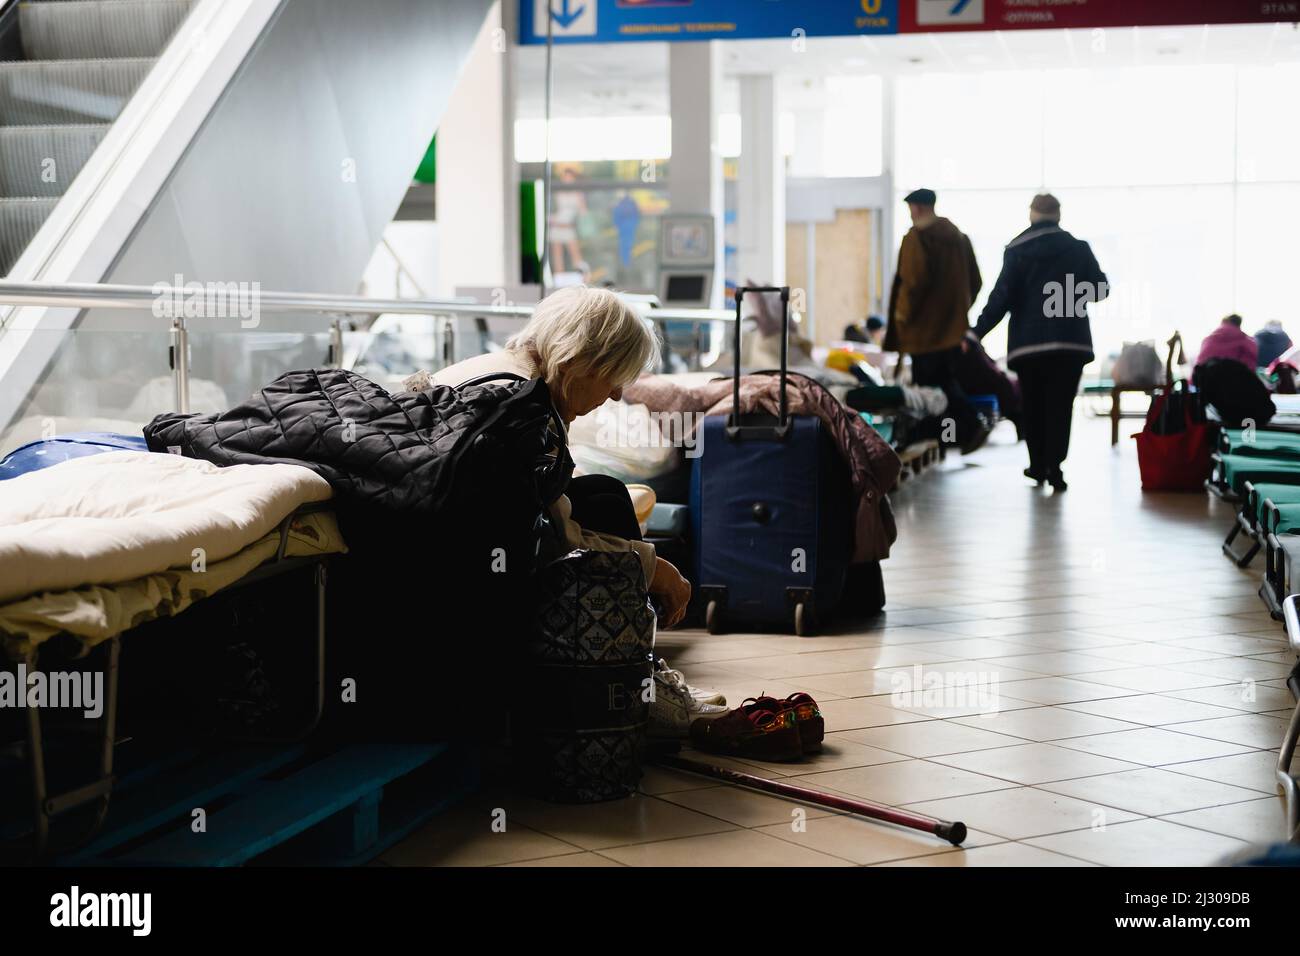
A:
69	67
262	142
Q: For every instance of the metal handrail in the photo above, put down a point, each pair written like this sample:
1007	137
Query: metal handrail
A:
88	295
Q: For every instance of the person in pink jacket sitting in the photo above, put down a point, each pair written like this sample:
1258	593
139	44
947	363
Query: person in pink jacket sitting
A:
1229	342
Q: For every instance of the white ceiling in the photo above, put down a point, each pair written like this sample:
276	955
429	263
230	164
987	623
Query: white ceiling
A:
627	79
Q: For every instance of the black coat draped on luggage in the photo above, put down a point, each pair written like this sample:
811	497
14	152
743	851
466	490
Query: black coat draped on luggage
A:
421	454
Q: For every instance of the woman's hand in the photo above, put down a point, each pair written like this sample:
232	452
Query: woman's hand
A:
673	591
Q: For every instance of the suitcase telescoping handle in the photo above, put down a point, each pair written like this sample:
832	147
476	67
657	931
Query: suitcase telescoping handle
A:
781	430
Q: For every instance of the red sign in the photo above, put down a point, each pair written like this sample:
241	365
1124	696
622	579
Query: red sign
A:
934	16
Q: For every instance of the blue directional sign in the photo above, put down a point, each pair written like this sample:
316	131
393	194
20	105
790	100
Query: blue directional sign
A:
612	21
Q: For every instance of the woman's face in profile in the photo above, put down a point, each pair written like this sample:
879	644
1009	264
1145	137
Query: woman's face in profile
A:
585	393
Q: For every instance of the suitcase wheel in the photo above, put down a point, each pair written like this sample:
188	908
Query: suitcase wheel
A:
713	618
805	619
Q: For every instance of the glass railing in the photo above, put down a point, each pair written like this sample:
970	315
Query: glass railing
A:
135	352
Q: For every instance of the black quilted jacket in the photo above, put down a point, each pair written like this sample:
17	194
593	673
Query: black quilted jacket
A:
415	454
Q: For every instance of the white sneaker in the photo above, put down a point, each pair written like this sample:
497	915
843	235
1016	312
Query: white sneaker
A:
673	709
696	693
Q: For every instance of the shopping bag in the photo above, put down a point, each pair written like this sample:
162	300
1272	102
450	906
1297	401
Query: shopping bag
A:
1174	446
583	679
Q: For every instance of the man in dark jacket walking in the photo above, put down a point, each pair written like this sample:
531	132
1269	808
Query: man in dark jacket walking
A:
934	287
1048	280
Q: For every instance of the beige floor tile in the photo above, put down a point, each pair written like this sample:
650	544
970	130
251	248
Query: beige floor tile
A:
907	781
1143	843
1151	709
1151	792
657	780
929	738
637	819
859	712
771	771
839	752
1034	763
1287	657
1251	696
1259	821
1046	723
1059	663
572	859
1251	730
737	848
1235	669
464	837
1001	854
865	683
787	666
1153	746
1154	680
869	841
1007	629
1061	690
746	808
1022	812
1235	644
703	648
1158	654
974	648
1253	770
905	636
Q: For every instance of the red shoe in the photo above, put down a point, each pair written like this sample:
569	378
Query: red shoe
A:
759	729
808	718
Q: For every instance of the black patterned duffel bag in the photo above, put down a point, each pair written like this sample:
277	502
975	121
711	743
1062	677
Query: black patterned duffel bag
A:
584	679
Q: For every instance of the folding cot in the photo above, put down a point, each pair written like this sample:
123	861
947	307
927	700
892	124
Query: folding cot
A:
275	788
1260	442
1281	501
1231	471
1287	751
301	543
65	603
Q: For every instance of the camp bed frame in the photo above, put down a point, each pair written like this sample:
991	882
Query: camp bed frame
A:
1261	448
1244	522
1250	520
1287	750
1220	486
1281	564
46	806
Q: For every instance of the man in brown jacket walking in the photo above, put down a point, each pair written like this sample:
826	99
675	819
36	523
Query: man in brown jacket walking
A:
934	287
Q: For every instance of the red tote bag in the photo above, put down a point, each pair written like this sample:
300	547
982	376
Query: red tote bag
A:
1176	462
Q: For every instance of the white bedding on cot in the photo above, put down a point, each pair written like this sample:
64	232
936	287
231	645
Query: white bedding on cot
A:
114	517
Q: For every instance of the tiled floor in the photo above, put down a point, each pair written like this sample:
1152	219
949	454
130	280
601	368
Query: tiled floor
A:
1131	703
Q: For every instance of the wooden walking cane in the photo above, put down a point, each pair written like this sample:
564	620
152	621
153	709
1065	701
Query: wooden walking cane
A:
953	832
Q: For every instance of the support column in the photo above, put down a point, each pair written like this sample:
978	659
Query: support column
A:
760	213
888	243
478	179
695	170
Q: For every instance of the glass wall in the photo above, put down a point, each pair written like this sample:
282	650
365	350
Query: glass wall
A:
1185	180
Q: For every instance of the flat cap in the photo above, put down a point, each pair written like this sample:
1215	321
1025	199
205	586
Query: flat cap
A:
922	197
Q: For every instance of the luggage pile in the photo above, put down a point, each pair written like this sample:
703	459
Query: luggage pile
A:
583	679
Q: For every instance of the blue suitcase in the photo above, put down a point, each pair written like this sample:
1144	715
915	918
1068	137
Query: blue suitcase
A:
771	514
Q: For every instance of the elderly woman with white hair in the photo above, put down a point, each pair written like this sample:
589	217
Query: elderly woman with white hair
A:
587	344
